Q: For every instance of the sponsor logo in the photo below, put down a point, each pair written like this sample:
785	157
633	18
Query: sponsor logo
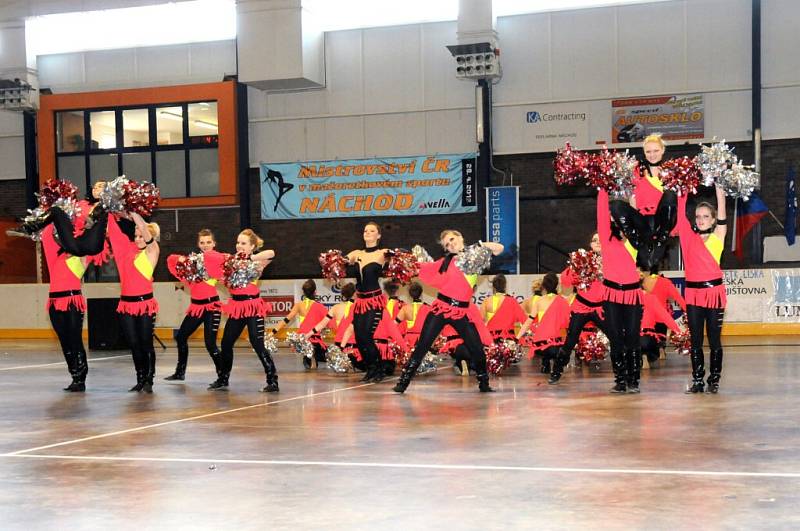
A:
439	203
534	117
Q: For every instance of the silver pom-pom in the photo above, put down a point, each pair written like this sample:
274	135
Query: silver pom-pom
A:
429	364
337	360
271	344
300	344
421	254
474	259
69	206
516	349
33	216
713	161
112	195
624	168
739	181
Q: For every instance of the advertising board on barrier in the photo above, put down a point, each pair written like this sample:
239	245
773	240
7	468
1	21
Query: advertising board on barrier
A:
400	186
754	295
674	117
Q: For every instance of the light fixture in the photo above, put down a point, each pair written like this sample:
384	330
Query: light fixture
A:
169	115
205	125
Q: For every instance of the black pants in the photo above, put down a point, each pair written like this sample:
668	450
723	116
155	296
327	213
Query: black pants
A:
87	244
464	327
69	326
364	326
659	224
623	326
708	320
255	332
210	322
138	330
577	322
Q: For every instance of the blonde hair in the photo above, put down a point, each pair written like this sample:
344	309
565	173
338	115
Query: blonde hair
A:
449	231
154	230
709	206
257	242
655	138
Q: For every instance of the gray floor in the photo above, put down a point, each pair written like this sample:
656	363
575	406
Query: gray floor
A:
330	452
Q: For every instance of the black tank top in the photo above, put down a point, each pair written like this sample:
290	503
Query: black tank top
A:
367	277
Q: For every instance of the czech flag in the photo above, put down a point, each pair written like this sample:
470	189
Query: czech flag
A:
748	214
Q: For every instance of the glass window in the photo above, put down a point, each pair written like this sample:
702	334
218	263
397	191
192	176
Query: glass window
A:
169	126
136	166
204	171
104	129
135	128
73	169
171	173
203	120
103	168
69	131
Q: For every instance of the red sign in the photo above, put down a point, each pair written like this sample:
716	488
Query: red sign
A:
281	305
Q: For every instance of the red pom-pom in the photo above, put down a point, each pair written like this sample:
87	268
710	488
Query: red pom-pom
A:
402	266
587	267
592	347
680	175
602	171
333	264
55	189
682	341
500	356
191	269
141	198
570	165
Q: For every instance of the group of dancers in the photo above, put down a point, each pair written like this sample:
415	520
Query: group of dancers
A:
629	302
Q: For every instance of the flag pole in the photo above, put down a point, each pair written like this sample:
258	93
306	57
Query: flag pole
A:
735	214
776	219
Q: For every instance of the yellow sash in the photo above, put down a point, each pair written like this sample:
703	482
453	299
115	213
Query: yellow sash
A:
631	249
495	304
143	265
76	266
414	311
655	181
714	246
307	304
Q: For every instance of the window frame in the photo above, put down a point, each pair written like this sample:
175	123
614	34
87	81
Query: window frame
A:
223	93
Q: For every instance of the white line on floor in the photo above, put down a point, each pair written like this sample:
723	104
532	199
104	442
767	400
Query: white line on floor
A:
433	466
61	363
187	419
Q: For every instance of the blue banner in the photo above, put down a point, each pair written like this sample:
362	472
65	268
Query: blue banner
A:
502	226
399	186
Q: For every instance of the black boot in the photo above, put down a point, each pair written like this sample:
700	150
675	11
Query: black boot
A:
81	369
633	361
180	368
698	371
406	376
141	380
715	370
71	359
270	371
483	383
33	224
151	372
620	373
626	218
545	368
223	370
562	358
